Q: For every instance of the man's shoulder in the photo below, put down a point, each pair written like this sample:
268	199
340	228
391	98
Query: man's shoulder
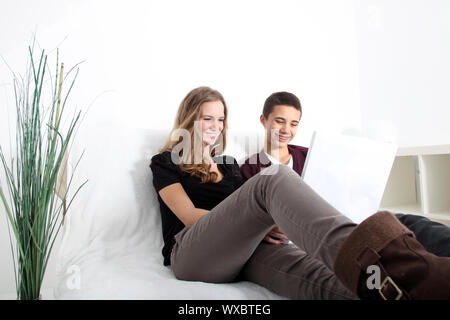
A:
297	149
252	160
258	160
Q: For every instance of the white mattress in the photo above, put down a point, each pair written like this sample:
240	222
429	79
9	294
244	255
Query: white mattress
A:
111	238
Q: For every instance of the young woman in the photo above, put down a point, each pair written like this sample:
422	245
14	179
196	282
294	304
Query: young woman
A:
282	112
213	226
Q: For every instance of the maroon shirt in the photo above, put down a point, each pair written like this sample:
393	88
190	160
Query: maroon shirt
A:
258	161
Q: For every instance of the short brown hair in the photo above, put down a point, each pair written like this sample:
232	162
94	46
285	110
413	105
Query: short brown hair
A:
281	98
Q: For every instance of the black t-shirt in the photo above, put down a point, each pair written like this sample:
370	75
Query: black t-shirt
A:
203	195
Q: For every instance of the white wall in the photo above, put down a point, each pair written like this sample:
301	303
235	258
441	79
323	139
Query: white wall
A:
142	57
404	70
356	67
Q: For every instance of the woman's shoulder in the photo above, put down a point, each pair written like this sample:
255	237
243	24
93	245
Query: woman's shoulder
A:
161	157
165	159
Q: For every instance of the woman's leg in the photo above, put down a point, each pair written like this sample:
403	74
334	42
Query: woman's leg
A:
217	247
289	271
381	259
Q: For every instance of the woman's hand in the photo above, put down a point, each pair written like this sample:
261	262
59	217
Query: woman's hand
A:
275	236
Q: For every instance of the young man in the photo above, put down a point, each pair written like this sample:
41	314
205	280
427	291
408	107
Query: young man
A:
281	116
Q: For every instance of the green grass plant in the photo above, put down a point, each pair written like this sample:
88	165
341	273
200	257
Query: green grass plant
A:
35	208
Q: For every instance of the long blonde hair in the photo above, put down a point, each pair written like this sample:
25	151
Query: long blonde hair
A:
188	113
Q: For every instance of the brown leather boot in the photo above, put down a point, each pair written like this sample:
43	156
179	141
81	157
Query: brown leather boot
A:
407	271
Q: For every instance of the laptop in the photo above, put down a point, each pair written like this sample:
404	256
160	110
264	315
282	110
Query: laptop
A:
349	172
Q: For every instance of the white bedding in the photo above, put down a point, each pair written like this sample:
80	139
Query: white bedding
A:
111	239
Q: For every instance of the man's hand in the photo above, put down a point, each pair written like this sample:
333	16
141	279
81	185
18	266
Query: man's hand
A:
275	236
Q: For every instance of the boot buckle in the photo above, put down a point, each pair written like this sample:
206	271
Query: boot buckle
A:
386	282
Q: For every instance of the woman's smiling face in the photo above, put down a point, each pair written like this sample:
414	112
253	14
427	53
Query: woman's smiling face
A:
212	117
285	120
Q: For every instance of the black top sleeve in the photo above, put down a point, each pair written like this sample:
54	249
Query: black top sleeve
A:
165	172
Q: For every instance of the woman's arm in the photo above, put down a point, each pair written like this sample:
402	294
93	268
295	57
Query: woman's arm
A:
181	205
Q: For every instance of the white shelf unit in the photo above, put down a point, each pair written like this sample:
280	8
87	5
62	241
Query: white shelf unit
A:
419	183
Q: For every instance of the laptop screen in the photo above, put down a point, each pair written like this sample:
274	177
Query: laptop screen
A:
349	172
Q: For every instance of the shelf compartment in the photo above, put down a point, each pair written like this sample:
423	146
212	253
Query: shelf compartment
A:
435	174
402	192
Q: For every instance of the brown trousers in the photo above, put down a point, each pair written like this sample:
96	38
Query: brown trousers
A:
226	243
